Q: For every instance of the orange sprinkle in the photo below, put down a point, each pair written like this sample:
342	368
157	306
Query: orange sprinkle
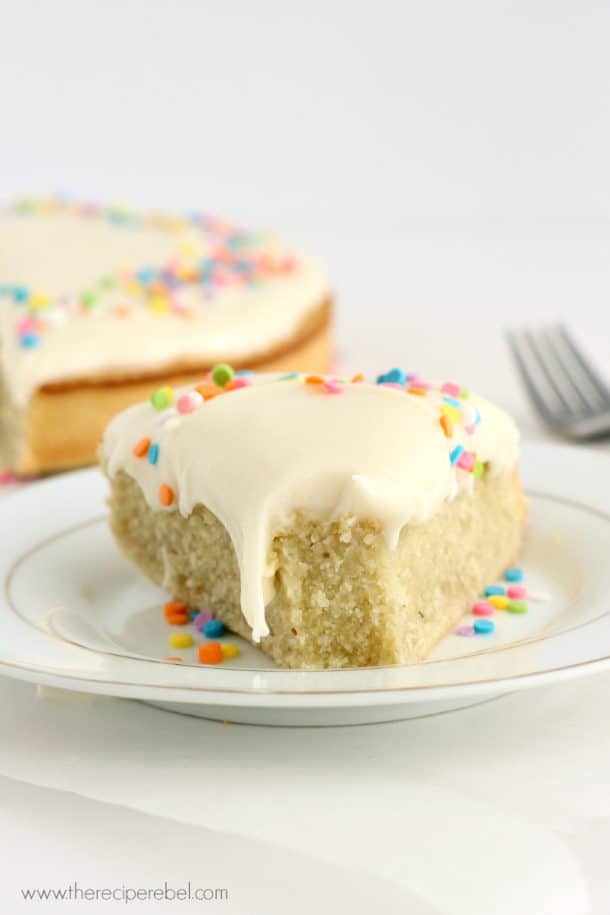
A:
174	606
174	660
208	390
166	494
141	448
314	379
178	619
447	425
421	392
357	378
210	653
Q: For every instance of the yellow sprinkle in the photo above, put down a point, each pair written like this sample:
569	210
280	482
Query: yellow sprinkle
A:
37	300
180	640
499	601
229	650
451	412
159	304
133	289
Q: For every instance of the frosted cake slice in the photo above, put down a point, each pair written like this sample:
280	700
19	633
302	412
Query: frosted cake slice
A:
333	522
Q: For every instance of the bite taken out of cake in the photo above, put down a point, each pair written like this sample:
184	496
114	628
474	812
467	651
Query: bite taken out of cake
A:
98	305
333	522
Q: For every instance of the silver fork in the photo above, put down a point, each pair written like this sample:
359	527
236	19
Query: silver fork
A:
568	393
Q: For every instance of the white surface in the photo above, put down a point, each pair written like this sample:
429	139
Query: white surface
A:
450	163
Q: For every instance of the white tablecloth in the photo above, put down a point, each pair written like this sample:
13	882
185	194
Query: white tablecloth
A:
502	808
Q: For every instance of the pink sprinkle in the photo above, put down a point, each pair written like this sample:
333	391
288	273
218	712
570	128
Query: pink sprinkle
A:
470	429
516	592
452	389
6	478
483	608
241	381
189	402
465	630
466	460
202	618
332	386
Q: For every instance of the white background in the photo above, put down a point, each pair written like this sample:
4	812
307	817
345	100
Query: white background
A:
449	161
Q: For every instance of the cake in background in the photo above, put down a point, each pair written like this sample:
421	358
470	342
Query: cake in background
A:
335	522
101	305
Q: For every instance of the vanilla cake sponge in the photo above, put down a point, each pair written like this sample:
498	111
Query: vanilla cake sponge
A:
335	523
99	305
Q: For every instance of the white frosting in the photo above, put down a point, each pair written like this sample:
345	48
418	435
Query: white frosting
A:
256	455
63	255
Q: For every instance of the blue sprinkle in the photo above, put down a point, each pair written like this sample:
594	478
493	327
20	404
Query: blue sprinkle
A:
452	401
193	614
494	591
455	455
153	454
20	294
28	341
395	376
288	377
146	275
484	627
514	574
214	628
251	372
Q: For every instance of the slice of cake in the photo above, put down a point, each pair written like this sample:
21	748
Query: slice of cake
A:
99	305
337	523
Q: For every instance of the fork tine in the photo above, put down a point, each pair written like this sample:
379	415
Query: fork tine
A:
571	383
596	382
547	369
526	376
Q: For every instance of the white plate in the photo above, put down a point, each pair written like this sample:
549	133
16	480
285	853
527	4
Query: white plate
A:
75	614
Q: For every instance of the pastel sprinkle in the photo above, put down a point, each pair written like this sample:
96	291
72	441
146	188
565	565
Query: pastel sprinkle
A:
452	389
332	386
201	619
290	376
229	650
494	589
446	426
452	402
516	592
140	449
397	376
174	660
479	469
153	454
174	606
236	383
29	340
357	378
181	640
418	390
483	608
500	602
466	631
210	653
314	379
517	606
166	495
162	398
213	629
484	627
466	461
514	574
208	390
455	455
221	374
188	403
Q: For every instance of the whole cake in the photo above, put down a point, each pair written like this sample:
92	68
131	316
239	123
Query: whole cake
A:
335	522
98	305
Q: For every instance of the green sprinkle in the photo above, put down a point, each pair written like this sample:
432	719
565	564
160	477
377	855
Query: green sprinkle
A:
464	394
479	470
107	282
222	374
88	299
162	398
517	606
